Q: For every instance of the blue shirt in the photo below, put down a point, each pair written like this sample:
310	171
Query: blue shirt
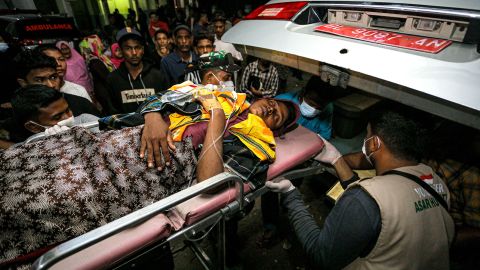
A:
320	124
174	66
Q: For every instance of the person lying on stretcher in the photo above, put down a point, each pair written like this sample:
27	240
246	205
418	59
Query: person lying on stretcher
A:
242	134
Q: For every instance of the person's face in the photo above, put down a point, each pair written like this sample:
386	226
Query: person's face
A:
54	113
44	76
154	18
214	77
132	51
203	19
273	112
118	53
162	40
61	61
183	40
50	116
219	28
204	46
66	51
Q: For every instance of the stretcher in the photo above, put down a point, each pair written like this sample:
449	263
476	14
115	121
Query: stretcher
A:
184	214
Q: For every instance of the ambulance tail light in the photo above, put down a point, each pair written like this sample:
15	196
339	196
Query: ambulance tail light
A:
278	11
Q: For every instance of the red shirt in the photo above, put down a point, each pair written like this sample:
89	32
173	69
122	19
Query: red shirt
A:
154	26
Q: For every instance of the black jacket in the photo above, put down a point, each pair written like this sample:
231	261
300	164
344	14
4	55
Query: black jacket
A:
80	105
126	94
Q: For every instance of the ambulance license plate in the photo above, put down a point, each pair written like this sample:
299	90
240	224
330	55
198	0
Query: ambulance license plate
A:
417	43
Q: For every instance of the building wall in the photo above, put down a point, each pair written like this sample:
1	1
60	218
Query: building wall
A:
24	4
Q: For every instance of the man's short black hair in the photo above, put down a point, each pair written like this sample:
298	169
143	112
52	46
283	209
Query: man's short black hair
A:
27	101
318	90
202	36
28	60
124	39
219	17
403	136
161	31
47	47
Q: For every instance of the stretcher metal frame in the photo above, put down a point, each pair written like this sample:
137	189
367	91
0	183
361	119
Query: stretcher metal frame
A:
83	241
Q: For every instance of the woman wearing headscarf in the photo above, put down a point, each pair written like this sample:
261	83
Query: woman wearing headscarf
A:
117	57
77	71
100	65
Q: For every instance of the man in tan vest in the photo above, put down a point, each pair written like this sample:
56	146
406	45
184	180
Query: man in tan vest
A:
386	222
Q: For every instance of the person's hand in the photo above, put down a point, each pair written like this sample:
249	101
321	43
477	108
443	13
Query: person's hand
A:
280	185
7	105
208	100
156	137
329	153
55	130
255	92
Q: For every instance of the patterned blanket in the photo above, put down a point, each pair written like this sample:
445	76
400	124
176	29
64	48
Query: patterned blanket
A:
68	184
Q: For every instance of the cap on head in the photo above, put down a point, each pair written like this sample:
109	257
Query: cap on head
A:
221	60
129	33
180	27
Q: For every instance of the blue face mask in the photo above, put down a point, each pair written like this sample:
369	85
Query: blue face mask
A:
308	111
3	47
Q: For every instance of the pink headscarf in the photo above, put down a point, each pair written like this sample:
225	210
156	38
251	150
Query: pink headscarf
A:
115	61
77	71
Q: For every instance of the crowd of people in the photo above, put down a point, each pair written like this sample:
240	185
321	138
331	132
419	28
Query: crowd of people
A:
120	78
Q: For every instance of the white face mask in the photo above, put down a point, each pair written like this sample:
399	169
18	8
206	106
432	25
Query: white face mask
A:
3	46
364	150
307	110
227	86
67	122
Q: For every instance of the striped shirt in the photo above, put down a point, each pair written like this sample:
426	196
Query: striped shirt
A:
268	79
193	76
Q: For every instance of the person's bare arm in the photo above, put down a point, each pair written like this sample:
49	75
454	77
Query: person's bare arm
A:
255	91
357	161
344	172
156	137
210	161
5	144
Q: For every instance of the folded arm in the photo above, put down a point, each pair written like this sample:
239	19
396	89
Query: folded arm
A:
210	161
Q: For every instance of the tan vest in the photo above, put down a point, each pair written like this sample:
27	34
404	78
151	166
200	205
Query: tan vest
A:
416	230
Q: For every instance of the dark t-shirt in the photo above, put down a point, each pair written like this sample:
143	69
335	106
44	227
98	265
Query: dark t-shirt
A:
80	105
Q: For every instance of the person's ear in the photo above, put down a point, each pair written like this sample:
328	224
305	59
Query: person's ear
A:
376	143
210	77
22	82
32	127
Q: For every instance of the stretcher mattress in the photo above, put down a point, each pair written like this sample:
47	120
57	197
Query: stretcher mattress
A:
109	251
296	147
